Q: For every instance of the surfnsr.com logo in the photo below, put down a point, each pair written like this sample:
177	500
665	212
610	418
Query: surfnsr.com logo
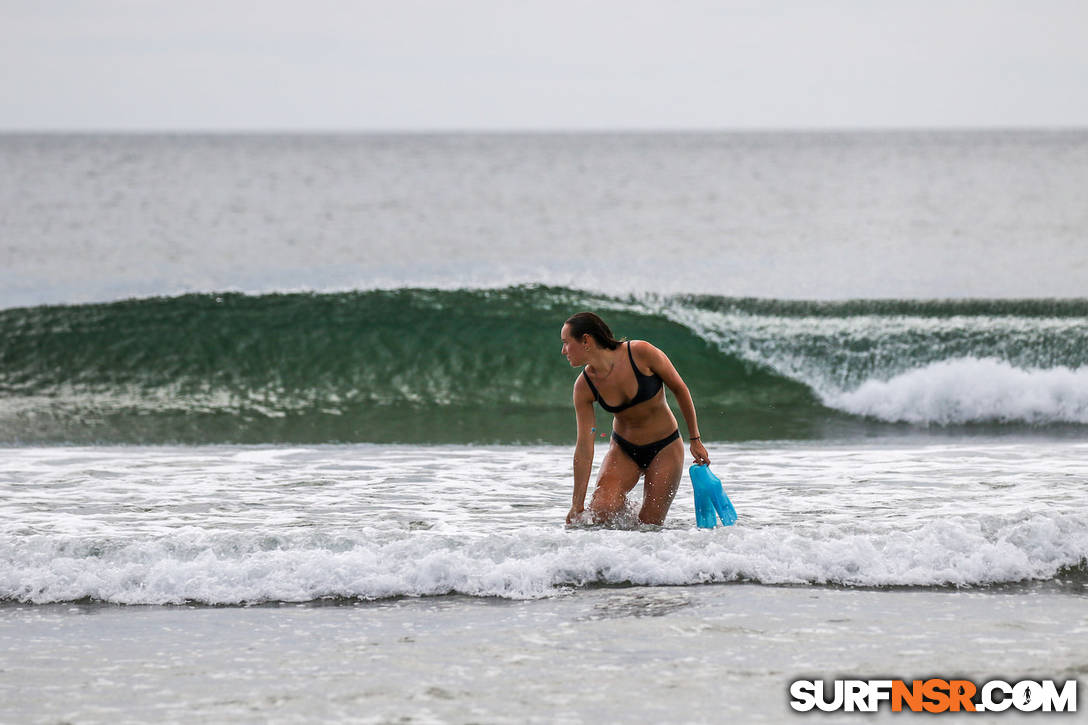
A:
933	695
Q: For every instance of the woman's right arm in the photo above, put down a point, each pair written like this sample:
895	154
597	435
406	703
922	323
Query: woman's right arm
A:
583	447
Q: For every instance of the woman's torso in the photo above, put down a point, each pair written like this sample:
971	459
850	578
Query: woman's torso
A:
645	421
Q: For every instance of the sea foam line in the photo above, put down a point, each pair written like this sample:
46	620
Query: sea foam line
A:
217	567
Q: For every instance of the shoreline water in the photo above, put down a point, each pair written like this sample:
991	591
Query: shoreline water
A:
673	654
237	524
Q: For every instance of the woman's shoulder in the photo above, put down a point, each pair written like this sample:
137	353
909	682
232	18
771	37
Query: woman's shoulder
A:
643	349
646	355
583	387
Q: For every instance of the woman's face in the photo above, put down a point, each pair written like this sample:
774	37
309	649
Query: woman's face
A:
573	350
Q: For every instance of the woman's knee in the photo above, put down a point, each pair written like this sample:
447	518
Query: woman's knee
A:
655	516
607	499
656	505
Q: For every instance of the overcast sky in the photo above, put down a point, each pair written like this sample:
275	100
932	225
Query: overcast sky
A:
541	64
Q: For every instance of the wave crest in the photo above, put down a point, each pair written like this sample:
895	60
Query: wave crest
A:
970	390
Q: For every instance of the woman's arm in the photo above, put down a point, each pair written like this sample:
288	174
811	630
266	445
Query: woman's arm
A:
660	364
583	447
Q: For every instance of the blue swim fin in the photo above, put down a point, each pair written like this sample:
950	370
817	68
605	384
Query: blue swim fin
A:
710	499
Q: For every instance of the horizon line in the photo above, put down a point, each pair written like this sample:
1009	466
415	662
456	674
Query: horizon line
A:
528	130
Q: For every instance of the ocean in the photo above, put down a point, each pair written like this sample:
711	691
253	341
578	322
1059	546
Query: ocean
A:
286	434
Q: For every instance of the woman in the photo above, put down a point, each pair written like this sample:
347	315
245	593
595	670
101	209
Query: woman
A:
645	437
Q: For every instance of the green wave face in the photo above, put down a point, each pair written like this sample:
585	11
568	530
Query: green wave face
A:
484	366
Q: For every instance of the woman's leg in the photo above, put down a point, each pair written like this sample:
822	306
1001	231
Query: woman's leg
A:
662	480
617	476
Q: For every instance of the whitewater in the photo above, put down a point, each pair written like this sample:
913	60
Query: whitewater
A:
229	525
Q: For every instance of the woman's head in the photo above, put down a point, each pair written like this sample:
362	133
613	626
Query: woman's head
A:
582	330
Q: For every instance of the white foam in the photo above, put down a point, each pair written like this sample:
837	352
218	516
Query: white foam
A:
917	369
966	390
233	524
214	567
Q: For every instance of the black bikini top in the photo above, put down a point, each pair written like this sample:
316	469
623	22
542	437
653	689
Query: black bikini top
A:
648	385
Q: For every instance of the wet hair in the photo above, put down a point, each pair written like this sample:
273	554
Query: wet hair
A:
587	323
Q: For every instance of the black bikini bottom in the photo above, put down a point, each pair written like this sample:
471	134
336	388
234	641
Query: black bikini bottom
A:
642	455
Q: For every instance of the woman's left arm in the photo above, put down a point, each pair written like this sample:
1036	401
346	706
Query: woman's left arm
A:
660	364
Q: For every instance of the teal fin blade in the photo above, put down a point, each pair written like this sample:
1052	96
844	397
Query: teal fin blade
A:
710	499
724	507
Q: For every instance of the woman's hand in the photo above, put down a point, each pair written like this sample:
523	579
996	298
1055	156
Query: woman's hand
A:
698	452
574	513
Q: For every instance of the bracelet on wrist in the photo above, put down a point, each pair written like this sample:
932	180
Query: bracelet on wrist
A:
695	438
